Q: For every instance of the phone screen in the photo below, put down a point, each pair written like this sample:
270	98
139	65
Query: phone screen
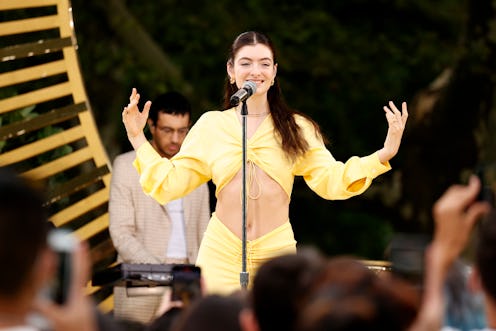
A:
63	243
486	193
186	283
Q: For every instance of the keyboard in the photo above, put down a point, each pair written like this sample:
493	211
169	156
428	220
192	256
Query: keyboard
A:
134	275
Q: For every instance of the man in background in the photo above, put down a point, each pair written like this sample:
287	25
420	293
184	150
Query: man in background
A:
142	230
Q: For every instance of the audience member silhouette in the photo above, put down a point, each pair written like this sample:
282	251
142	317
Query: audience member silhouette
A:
211	313
28	264
347	296
279	285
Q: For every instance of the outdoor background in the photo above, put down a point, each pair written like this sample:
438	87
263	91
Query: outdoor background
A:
340	62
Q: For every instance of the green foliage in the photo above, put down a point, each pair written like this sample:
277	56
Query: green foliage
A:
344	231
28	113
15	116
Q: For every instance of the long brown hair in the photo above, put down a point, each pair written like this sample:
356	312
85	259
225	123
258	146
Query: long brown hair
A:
292	141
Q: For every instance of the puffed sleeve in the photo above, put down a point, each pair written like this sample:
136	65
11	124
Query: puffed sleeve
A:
167	180
331	179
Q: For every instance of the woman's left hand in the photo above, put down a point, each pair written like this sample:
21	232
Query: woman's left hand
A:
397	122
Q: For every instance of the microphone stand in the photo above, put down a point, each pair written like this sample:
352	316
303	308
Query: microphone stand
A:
244	276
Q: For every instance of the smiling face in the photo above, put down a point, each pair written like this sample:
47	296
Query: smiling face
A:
254	63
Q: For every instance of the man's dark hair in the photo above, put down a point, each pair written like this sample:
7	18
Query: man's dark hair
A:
170	103
486	254
211	313
23	231
347	296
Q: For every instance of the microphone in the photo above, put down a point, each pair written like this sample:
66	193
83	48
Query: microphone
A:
243	93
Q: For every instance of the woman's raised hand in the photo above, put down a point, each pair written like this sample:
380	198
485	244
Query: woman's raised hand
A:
396	126
134	120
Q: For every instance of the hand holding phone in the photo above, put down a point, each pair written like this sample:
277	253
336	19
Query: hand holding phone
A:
63	243
78	312
186	283
486	193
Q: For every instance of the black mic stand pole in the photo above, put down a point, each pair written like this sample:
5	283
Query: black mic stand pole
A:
244	276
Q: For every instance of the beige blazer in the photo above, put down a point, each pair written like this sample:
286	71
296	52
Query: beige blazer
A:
140	228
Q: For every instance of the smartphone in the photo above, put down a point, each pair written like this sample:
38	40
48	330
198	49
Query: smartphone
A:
186	286
486	193
63	243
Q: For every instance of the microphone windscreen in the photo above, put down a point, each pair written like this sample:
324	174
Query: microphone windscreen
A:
250	85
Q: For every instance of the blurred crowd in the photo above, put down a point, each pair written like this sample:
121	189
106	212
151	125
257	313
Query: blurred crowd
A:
306	291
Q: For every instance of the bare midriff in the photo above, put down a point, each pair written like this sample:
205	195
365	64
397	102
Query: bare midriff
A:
267	204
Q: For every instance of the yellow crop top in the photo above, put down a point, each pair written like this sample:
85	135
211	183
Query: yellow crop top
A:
213	150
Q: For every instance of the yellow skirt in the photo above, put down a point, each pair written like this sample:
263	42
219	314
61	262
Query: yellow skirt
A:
220	255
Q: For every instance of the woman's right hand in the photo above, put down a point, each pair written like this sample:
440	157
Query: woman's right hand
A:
134	120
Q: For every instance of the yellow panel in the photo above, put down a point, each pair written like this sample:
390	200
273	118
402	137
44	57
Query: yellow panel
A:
90	289
73	71
61	164
29	25
66	29
93	139
41	146
35	97
32	73
92	228
107	305
73	87
17	4
81	207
